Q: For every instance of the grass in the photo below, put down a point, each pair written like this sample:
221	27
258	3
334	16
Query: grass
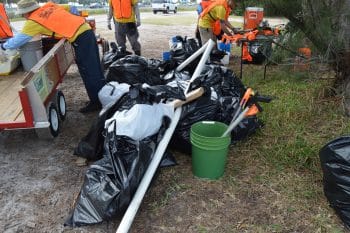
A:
282	159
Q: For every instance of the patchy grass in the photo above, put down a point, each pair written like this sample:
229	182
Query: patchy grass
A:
273	179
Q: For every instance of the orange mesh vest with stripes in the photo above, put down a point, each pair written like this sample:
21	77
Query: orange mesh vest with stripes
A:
57	19
122	9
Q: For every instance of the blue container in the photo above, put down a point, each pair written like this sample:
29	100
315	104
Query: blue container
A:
224	47
166	56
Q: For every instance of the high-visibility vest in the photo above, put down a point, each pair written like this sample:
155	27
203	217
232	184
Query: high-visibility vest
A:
216	25
122	9
5	28
57	19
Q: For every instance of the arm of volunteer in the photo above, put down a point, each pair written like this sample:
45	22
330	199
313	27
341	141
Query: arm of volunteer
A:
109	15
17	41
137	14
225	27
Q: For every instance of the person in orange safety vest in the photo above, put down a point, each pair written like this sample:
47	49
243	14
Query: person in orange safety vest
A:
54	21
213	20
126	18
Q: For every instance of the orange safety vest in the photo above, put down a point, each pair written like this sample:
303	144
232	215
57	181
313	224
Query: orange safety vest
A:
122	9
57	19
5	28
210	5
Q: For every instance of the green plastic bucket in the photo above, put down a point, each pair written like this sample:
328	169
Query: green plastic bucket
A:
209	149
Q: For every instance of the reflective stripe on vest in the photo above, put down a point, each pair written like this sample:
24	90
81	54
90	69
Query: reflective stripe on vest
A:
58	20
122	9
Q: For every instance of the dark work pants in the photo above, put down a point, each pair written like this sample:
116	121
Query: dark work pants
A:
123	30
88	61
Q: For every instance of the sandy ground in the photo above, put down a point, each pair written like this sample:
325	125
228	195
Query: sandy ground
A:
39	180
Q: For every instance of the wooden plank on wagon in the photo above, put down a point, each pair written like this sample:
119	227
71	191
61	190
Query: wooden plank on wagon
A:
12	111
10	104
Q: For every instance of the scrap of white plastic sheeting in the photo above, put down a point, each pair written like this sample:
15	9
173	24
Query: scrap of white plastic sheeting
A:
140	121
111	92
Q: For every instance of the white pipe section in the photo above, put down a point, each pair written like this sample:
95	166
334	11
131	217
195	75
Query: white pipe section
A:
135	203
202	62
235	123
192	57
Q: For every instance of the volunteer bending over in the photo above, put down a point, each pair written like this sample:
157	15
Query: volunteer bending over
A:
213	20
52	20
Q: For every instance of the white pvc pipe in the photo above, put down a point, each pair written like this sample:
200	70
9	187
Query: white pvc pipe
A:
235	123
192	57
135	203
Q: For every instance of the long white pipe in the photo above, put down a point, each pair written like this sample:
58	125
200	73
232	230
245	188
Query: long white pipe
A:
135	203
192	57
235	123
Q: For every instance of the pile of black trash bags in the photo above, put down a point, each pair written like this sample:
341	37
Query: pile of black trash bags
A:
335	163
120	162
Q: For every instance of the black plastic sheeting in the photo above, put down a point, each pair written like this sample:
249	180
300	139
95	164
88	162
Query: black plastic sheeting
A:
335	163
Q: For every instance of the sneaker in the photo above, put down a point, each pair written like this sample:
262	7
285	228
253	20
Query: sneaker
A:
91	107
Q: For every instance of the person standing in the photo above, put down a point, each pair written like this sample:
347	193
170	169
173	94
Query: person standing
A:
53	20
213	20
126	17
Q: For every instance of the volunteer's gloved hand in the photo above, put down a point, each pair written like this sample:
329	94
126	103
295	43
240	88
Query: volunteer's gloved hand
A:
109	26
138	23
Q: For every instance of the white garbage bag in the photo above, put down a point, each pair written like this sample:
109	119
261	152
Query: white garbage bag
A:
111	93
141	121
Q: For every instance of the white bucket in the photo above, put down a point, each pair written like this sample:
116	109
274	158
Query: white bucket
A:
31	53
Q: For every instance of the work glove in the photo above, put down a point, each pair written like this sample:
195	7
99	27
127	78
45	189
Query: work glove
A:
138	23
109	26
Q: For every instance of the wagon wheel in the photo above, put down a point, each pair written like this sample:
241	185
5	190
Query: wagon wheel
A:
61	105
54	123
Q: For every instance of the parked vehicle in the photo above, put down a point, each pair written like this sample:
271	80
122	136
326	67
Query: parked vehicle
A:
164	6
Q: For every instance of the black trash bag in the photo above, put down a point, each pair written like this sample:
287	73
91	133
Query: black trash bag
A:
111	182
91	145
335	163
200	109
174	75
260	51
155	94
113	55
183	48
134	69
223	92
216	55
167	66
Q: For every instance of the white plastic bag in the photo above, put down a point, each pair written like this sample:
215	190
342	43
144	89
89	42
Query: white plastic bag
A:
111	92
141	121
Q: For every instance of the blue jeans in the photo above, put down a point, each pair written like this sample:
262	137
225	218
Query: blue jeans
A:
87	59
